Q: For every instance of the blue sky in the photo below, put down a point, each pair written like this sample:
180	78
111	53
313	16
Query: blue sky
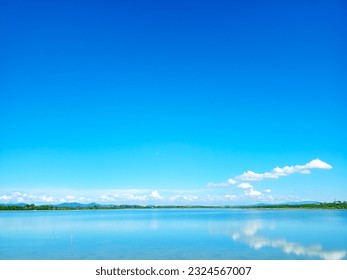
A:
161	102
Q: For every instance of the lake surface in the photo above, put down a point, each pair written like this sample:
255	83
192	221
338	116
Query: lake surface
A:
174	234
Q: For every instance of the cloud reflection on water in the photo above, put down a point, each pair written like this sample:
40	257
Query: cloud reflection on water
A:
249	235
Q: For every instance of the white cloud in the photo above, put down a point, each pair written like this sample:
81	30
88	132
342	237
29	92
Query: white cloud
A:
249	189
231	181
16	197
190	197
316	163
107	198
284	171
243	180
5	197
230	196
184	197
245	186
228	183
47	198
120	198
84	199
252	176
225	184
156	195
253	192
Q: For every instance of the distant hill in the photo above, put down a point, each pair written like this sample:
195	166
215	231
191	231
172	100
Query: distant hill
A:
301	202
289	203
11	204
279	204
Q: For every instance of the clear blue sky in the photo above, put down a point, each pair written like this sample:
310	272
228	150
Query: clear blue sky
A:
161	102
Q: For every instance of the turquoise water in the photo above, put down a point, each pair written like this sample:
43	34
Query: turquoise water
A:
174	234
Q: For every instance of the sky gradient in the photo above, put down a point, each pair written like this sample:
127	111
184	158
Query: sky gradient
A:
162	102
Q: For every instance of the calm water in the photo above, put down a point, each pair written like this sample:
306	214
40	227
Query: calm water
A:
174	234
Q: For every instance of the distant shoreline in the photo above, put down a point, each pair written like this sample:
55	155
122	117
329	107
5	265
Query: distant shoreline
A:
337	205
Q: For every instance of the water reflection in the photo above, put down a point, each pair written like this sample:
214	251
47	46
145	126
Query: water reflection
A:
249	235
173	234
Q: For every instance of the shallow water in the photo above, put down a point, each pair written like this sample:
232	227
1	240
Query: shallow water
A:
174	234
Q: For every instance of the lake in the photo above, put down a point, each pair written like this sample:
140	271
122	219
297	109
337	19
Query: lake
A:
162	234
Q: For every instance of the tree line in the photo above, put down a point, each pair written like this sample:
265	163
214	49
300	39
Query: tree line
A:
28	207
